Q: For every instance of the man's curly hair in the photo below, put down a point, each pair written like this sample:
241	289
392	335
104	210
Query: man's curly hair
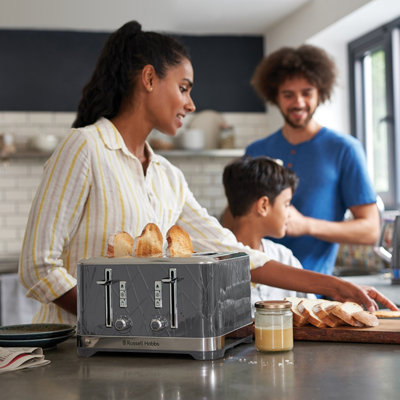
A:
309	62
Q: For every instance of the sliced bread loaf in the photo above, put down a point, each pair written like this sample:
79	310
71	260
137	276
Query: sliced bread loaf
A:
323	310
353	314
298	319
305	308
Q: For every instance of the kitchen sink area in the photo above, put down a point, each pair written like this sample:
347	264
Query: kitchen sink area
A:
9	264
15	307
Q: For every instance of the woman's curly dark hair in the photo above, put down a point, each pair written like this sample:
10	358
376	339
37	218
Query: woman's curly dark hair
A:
125	53
309	62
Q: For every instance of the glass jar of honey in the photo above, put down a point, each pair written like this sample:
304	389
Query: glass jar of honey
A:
273	325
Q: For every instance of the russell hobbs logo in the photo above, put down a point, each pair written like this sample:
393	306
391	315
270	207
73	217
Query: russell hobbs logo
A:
140	343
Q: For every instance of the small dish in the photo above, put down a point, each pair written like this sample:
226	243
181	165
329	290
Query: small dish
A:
45	343
34	331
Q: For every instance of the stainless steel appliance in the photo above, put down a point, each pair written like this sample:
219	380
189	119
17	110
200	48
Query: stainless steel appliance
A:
166	305
388	247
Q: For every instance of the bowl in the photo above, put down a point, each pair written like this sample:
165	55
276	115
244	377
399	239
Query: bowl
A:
45	143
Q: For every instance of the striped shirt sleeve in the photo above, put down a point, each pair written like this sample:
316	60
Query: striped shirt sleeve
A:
54	216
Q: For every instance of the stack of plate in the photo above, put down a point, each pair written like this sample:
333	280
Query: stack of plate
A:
35	335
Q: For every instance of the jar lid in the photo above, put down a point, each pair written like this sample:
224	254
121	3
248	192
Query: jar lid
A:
273	304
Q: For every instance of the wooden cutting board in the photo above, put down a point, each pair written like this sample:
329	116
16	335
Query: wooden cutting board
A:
388	331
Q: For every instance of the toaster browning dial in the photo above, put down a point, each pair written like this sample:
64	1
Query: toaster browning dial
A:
158	323
122	323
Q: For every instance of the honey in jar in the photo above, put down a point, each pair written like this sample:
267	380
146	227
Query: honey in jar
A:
273	325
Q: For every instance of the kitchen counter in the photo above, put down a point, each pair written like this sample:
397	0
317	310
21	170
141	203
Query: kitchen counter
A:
312	370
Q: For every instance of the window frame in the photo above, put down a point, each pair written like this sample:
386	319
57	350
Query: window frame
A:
386	37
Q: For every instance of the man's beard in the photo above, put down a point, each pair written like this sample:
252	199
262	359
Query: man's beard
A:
300	125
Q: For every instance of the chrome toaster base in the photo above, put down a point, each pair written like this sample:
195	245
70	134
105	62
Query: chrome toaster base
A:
198	348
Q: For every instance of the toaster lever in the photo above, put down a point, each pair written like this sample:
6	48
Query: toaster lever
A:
107	289
173	307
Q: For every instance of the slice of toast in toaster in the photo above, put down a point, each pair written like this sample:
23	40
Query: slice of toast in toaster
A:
149	243
120	245
179	242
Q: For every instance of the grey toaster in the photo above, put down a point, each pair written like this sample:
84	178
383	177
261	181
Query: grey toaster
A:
191	305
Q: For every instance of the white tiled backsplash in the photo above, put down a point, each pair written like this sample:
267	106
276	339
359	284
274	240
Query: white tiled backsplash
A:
20	177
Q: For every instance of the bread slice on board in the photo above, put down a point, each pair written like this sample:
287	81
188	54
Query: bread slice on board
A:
387	314
353	314
305	307
149	243
179	242
298	319
120	245
323	310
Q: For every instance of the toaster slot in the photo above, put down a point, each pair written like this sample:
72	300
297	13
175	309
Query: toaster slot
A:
107	292
173	296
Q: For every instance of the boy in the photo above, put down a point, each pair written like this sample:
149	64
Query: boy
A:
259	191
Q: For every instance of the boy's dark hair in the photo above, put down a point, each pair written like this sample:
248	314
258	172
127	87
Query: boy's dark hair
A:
309	62
247	179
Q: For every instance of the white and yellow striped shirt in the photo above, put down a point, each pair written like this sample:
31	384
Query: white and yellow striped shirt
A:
93	187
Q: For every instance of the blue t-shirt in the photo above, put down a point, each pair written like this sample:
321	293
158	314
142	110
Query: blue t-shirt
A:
332	175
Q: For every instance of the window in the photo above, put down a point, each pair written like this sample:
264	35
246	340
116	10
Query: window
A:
375	93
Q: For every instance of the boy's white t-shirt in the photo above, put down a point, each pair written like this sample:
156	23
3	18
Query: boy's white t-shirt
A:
277	252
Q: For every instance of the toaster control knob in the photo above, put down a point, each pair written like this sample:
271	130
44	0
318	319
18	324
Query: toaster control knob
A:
122	323
157	324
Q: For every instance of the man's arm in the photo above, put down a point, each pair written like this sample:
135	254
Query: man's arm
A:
363	229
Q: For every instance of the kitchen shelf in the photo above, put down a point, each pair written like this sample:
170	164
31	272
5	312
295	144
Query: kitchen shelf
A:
29	154
202	153
26	154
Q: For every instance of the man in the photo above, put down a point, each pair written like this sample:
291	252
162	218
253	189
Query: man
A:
331	166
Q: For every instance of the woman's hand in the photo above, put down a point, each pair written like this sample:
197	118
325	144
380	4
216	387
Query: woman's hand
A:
364	295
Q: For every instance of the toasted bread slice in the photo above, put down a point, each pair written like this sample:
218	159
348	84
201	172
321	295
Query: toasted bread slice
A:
179	242
353	314
149	243
298	319
120	245
387	314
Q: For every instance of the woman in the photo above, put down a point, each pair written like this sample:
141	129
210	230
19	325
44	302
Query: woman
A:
105	178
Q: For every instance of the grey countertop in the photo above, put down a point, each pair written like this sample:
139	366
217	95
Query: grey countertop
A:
312	370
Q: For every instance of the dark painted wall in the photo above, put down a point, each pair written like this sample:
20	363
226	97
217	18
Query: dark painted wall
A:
46	70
